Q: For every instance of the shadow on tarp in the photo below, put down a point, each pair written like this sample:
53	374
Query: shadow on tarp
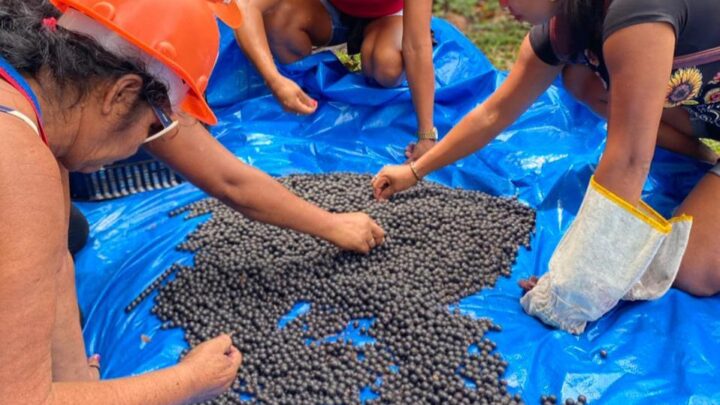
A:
663	351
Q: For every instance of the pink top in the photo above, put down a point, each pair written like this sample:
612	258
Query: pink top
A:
368	8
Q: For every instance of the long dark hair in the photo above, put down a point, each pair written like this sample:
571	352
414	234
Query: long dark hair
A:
74	61
585	19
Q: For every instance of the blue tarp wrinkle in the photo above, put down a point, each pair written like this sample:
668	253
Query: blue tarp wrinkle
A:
663	351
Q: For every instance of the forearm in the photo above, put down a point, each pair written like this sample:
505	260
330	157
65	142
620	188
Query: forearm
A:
421	79
202	160
529	78
623	169
261	198
473	132
253	40
170	386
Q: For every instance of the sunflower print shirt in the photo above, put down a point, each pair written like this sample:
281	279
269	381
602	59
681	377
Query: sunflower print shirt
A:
697	89
694	86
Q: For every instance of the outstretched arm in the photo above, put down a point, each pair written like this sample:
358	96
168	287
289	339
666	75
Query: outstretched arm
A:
528	78
201	159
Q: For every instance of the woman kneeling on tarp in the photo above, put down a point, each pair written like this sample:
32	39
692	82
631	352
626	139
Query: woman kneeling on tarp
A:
617	57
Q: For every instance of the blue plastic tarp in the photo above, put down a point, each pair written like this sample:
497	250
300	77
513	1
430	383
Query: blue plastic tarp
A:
663	351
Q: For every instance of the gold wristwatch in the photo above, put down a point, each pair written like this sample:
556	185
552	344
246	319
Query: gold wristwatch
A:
432	135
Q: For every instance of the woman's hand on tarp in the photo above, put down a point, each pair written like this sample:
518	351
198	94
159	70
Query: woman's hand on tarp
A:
211	367
415	150
292	98
356	232
391	180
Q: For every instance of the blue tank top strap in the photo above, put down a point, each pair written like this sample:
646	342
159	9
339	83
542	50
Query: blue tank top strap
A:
10	70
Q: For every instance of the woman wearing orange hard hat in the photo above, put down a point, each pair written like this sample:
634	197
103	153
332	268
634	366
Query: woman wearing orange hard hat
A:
85	90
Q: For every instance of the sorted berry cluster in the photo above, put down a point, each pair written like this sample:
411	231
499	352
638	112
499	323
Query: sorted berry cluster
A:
379	324
152	287
552	400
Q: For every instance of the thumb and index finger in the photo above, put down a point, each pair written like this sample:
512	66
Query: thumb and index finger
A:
221	342
235	356
382	187
379	183
378	233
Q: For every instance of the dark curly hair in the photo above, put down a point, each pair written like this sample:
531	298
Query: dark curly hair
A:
74	61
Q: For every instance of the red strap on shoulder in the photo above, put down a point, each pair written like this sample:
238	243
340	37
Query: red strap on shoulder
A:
22	91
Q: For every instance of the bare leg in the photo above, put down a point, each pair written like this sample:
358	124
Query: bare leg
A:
382	51
293	27
675	132
700	269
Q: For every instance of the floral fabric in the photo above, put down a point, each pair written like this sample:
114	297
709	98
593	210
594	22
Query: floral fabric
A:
696	88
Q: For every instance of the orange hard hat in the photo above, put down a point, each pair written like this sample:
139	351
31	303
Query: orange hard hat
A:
181	34
228	11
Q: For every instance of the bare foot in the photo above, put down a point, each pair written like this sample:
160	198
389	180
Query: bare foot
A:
528	284
94	367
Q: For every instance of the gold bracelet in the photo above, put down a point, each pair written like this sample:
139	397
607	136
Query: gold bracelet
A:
414	171
432	135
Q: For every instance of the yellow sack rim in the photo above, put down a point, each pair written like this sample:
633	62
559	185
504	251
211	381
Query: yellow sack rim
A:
645	212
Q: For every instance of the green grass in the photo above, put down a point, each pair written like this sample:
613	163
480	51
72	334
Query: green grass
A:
353	63
492	29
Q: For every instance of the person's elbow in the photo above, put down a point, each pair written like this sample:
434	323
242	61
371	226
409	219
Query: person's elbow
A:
239	190
232	190
490	116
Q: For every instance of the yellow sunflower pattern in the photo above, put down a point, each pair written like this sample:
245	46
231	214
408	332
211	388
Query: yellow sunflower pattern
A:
685	85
